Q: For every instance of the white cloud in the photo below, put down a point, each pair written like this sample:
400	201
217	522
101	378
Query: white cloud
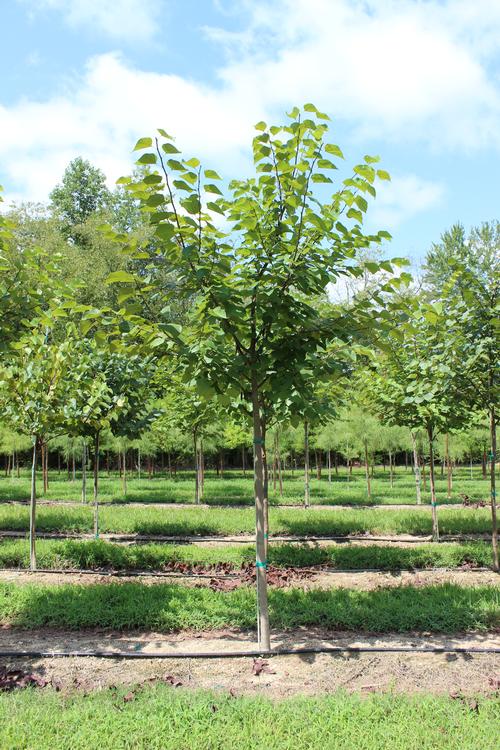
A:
119	19
102	114
402	198
398	70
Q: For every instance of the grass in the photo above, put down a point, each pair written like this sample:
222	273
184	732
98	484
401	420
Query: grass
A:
234	489
161	718
219	521
98	554
169	608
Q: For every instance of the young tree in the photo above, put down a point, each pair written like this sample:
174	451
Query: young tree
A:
253	331
469	283
417	381
35	386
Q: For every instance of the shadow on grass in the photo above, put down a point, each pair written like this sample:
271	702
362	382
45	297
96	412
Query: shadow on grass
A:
168	608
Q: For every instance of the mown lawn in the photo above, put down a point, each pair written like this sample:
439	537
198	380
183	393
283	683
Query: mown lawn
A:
442	608
98	554
234	489
162	718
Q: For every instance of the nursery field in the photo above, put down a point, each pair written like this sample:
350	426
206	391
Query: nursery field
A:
236	489
395	630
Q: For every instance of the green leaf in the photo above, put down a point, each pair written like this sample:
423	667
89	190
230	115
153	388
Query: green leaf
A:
169	148
353	213
261	125
164	134
326	164
372	159
331	148
193	162
147	159
211	174
165	231
318	177
120	277
383	175
155	200
214	207
143	143
210	188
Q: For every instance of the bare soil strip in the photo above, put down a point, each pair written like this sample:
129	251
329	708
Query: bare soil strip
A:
305	578
280	677
206	506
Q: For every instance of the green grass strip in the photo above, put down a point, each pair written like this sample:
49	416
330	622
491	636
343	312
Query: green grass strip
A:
161	718
216	521
169	608
68	553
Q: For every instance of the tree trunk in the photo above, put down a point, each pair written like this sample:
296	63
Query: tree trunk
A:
33	509
306	464
435	526
96	485
494	526
483	464
391	468
42	460
471	472
275	464
424	477
84	472
138	463
124	475
416	468
201	466
448	464
46	475
367	473
243	461
329	466
73	466
260	515
266	487
196	468
58	463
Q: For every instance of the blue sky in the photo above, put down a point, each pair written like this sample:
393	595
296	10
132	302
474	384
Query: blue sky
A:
416	81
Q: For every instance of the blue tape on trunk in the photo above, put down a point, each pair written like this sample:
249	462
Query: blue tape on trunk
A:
261	564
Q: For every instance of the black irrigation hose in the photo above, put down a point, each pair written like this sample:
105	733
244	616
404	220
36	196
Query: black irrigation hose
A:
113	537
303	650
122	573
314	568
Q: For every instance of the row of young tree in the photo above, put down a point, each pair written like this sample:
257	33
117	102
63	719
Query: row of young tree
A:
188	297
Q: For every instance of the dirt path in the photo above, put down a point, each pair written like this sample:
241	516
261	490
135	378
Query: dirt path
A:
206	506
305	579
283	676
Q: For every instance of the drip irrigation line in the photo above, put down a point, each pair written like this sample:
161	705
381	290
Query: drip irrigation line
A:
315	569
121	573
302	650
127	538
